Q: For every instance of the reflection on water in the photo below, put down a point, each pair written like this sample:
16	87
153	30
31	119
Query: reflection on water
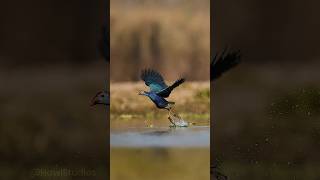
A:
161	153
147	148
159	163
196	136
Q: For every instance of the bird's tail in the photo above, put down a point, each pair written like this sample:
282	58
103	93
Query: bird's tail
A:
177	83
166	92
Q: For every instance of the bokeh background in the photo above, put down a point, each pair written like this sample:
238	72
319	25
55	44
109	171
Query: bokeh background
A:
51	67
173	38
266	111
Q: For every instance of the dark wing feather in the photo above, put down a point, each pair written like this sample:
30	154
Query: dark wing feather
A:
166	92
224	62
105	43
153	79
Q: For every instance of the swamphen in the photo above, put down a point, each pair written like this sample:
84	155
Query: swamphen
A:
159	90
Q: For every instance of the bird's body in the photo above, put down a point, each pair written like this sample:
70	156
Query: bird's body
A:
159	90
159	101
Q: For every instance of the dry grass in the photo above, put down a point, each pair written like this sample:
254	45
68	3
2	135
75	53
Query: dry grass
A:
143	35
129	109
46	118
125	98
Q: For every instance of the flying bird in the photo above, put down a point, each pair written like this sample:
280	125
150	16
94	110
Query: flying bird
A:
159	90
156	83
223	62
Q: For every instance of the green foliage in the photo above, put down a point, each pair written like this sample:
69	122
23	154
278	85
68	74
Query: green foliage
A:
203	94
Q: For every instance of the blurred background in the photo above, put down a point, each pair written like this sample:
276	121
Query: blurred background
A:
50	68
266	111
173	38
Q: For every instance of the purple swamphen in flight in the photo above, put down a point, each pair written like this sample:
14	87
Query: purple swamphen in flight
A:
159	90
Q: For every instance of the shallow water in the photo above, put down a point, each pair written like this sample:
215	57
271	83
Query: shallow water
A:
193	136
145	147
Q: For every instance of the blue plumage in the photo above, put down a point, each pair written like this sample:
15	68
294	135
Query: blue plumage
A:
156	83
159	90
159	101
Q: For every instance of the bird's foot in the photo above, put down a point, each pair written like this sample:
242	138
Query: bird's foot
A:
177	121
172	122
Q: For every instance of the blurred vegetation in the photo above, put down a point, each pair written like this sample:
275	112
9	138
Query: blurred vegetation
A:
268	31
302	103
266	111
203	94
174	38
46	120
266	122
130	109
49	32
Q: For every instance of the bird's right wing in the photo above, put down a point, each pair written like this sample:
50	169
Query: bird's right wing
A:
153	79
166	92
223	62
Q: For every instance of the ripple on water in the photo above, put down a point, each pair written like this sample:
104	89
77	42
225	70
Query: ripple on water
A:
196	136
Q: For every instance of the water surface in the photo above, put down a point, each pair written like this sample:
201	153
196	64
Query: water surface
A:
193	136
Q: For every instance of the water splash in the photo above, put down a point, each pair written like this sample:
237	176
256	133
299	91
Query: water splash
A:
176	120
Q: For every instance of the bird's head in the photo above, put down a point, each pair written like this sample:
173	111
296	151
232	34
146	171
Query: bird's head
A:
144	93
102	97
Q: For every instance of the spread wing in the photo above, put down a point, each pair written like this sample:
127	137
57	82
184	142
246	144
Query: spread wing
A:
153	79
223	62
166	92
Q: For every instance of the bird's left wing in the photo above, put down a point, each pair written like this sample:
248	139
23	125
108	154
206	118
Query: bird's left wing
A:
153	79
